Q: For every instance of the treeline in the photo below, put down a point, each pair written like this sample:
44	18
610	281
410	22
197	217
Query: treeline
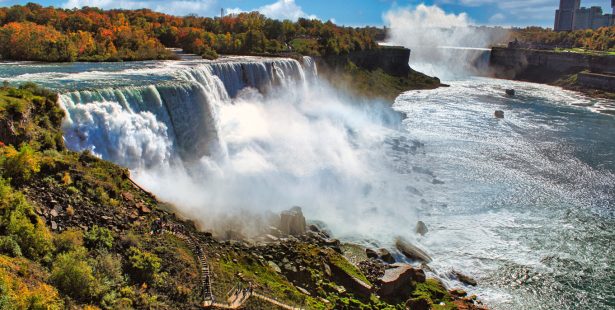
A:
33	32
602	39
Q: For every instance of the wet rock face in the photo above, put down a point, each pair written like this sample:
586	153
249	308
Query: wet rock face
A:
292	222
371	253
411	251
386	256
398	278
418	304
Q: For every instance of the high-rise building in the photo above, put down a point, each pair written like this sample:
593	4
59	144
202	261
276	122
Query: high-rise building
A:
571	16
564	17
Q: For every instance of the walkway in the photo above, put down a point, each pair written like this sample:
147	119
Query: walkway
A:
237	297
197	249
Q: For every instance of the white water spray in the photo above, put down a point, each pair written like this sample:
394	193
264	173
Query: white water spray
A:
443	45
255	137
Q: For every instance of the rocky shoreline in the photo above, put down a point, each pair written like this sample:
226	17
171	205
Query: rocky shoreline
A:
563	69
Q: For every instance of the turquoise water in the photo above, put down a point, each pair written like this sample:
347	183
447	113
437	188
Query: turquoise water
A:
528	202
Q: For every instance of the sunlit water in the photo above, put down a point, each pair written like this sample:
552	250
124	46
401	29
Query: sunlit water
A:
528	201
524	204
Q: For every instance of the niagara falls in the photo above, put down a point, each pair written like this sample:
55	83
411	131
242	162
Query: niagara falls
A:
423	156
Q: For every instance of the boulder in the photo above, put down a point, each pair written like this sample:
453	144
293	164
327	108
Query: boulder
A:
411	251
420	303
510	92
386	256
352	284
274	266
458	293
499	114
421	228
397	280
320	227
292	222
465	279
314	228
371	253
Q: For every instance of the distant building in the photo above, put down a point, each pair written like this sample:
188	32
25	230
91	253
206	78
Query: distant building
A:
564	17
571	16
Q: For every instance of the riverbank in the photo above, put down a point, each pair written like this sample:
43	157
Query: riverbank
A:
77	232
382	73
565	69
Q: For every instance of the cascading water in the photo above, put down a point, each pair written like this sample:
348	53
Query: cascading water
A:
523	204
147	126
246	136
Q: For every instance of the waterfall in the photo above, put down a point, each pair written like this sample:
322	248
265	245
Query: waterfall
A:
230	140
145	126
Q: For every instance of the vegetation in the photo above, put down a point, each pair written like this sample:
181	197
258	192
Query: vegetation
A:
70	267
23	286
24	231
33	32
375	84
433	293
602	39
98	238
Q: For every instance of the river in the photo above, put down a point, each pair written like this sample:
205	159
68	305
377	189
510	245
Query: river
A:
524	204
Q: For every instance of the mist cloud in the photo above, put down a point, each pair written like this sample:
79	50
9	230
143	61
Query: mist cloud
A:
443	44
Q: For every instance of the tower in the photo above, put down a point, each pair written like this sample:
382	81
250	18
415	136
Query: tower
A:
564	16
613	6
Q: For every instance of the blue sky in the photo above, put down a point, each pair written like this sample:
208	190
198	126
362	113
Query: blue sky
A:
347	12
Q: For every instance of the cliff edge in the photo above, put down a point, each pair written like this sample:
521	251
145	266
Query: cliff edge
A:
381	73
590	73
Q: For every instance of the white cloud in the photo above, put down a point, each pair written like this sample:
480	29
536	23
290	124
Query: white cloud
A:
281	9
496	18
174	7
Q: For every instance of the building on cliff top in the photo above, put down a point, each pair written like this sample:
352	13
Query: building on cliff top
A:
571	16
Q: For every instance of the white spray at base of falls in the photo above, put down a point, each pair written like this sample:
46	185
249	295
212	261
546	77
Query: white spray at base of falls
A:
252	138
443	44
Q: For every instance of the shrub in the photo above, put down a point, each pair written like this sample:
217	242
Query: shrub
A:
144	266
66	179
70	211
72	274
26	292
98	238
210	54
69	240
18	220
9	246
20	165
108	271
